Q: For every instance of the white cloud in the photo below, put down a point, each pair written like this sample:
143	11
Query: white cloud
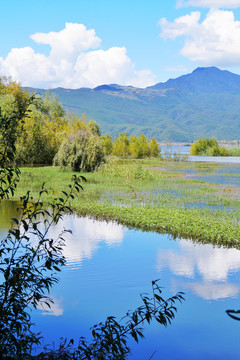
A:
68	43
210	3
183	25
215	41
75	60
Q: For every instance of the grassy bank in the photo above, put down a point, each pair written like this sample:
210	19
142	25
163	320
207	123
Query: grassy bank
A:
151	195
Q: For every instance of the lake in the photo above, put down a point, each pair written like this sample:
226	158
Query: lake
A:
109	266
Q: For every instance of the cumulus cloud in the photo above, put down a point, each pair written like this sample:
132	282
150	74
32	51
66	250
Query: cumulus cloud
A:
214	41
210	3
75	60
68	43
184	25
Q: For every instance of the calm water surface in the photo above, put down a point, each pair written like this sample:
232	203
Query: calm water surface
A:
109	266
221	173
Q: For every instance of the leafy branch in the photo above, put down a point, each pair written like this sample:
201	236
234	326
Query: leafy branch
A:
109	339
29	261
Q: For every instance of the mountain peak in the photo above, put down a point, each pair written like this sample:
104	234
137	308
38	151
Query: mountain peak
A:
204	80
206	69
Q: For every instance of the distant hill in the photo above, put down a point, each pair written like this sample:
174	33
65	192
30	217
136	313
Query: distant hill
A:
204	80
203	103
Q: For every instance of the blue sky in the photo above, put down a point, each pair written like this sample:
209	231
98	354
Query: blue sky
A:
78	43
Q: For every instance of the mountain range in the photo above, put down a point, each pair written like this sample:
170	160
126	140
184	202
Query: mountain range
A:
204	103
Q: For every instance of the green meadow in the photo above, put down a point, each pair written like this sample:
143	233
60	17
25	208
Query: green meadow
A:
151	195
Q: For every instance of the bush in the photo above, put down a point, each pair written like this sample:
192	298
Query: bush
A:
81	152
234	151
207	147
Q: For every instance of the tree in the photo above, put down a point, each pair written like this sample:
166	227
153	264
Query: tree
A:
107	144
144	146
82	151
37	143
42	132
121	145
134	147
207	147
154	148
14	108
94	128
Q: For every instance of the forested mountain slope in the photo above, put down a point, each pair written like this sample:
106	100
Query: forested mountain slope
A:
203	103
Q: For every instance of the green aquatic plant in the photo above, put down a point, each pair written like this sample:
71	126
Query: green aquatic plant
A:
167	190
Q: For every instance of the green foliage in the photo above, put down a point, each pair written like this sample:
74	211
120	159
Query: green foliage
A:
136	147
107	144
42	132
154	148
9	123
39	134
82	151
9	129
234	151
29	259
139	147
121	145
35	144
207	147
94	128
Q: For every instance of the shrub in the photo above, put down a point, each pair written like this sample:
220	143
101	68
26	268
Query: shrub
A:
82	151
207	147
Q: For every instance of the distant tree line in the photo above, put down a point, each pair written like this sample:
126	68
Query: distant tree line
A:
135	147
47	135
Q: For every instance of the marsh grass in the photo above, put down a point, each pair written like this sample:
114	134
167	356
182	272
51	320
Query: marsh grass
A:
151	195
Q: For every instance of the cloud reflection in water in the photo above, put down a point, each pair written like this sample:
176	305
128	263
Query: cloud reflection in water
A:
56	308
212	264
86	236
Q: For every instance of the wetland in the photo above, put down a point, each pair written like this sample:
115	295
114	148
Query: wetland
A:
136	221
